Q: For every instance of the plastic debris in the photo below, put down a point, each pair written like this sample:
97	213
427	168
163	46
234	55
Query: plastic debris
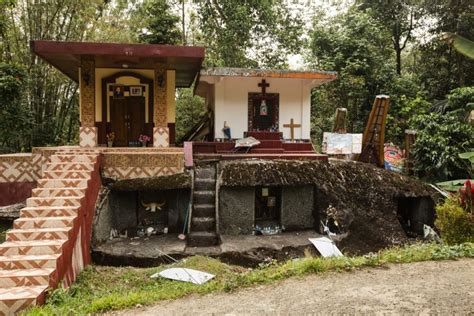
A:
326	247
185	275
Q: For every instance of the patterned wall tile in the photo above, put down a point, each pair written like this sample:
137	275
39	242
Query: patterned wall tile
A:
87	136
161	137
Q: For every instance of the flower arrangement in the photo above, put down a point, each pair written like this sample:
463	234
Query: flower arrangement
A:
144	138
110	136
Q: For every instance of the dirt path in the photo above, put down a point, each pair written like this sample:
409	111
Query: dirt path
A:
422	288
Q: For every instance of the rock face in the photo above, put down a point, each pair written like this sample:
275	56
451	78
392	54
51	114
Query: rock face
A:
363	200
11	212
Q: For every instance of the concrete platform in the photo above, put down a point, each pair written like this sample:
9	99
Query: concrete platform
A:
245	250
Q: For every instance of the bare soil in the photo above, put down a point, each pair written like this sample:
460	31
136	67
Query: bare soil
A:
423	288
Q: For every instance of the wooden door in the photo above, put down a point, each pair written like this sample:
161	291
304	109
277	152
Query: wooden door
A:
136	114
119	121
127	120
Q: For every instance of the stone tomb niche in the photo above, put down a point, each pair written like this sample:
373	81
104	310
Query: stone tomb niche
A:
129	212
414	212
241	208
267	206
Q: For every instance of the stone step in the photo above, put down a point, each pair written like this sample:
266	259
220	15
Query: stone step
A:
29	262
89	158
202	239
204	197
205	173
44	222
62	183
56	192
69	174
204	210
63	166
47	233
53	201
49	211
27	277
32	247
15	299
204	184
203	224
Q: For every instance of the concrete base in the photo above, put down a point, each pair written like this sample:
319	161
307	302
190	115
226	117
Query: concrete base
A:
245	250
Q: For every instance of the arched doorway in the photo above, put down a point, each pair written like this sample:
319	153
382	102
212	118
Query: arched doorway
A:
127	108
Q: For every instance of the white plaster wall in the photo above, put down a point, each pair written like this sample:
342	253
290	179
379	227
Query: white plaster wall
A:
231	104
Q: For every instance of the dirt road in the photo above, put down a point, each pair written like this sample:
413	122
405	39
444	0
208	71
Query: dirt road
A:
422	288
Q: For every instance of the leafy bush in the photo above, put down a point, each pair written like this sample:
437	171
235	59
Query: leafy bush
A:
455	223
439	141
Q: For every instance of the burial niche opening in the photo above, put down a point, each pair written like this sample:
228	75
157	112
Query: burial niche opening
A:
414	212
268	208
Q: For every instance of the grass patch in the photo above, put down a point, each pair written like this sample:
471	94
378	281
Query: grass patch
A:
100	289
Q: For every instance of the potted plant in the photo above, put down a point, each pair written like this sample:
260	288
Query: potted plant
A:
144	139
110	139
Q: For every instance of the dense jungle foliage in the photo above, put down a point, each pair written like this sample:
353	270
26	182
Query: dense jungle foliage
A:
394	47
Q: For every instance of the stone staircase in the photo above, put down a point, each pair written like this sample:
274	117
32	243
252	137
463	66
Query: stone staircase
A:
49	243
203	219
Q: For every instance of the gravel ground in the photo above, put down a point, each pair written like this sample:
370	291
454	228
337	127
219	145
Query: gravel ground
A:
444	287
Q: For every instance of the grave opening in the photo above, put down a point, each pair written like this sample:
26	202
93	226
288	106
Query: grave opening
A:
268	209
414	212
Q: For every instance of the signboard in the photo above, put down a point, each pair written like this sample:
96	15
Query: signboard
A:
342	144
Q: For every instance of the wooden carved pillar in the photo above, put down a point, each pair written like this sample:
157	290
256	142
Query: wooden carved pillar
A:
160	129
87	131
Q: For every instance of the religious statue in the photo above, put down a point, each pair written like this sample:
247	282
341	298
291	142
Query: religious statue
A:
226	131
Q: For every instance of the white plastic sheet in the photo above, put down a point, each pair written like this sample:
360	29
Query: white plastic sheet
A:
185	275
326	247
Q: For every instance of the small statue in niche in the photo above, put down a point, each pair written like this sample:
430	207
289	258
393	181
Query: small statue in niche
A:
153	206
226	131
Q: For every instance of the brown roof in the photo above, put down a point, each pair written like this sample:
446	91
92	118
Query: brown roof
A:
66	56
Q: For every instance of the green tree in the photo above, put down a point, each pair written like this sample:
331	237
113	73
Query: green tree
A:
358	48
442	136
161	26
189	110
15	119
248	33
399	18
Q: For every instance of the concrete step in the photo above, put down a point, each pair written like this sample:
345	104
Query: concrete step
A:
62	183
64	166
205	173
29	262
88	158
69	174
202	239
27	277
48	233
204	185
53	201
204	210
32	247
56	192
44	222
15	299
204	197
203	224
49	211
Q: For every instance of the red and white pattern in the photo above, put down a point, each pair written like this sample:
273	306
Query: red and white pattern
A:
46	245
161	137
87	136
19	168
